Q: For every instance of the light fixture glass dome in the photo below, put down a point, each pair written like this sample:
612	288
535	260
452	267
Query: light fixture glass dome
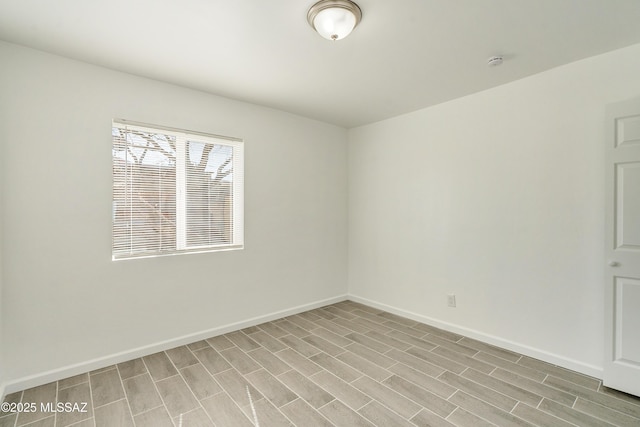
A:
334	19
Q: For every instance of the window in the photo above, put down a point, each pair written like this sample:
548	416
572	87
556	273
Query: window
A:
175	191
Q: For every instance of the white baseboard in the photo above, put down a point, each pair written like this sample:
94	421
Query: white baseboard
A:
2	391
90	365
101	362
565	362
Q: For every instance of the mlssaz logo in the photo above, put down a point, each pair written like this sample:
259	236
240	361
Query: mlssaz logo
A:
63	407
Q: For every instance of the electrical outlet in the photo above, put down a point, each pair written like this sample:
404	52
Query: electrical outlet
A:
451	300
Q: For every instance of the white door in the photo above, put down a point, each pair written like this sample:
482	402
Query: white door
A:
622	252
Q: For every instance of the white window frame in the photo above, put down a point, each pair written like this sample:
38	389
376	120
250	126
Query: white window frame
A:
182	136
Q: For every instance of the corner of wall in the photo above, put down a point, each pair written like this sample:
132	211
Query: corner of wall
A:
2	322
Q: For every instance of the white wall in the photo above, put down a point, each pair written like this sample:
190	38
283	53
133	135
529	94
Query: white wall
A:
65	301
498	198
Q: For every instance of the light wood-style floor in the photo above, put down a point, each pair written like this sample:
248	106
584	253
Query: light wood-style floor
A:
345	365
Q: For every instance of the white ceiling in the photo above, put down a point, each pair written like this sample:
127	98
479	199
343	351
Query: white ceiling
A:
404	55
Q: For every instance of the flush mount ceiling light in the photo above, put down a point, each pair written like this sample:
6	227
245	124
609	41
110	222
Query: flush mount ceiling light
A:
334	19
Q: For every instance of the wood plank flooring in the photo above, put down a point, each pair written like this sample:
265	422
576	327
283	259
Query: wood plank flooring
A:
341	365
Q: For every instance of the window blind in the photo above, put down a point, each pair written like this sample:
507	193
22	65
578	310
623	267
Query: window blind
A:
175	191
